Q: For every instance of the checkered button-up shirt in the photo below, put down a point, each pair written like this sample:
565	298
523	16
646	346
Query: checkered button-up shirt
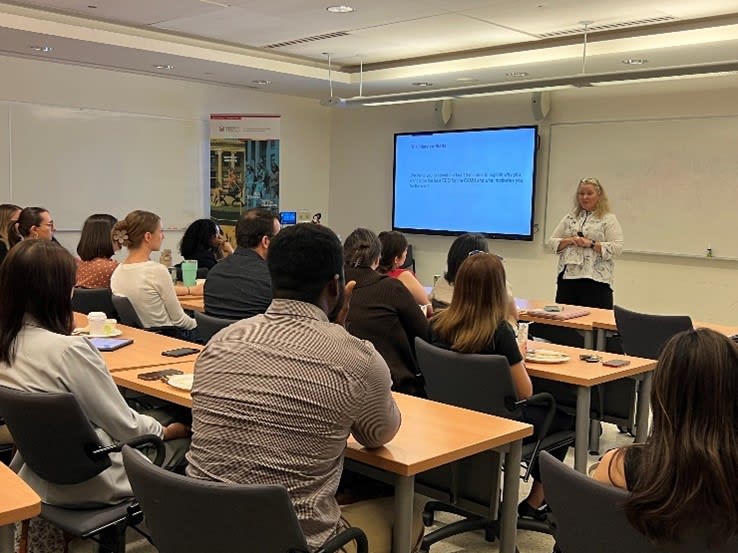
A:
274	400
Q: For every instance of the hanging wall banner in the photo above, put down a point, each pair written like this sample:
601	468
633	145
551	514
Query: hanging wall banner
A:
244	166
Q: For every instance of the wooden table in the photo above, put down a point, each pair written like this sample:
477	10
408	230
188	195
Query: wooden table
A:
432	434
17	502
583	324
145	351
584	375
195	303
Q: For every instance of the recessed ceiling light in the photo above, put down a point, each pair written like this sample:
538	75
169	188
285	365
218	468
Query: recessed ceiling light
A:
423	84
517	74
92	7
163	66
467	80
262	82
339	9
42	48
635	61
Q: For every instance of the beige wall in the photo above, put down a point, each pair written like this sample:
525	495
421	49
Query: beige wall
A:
361	180
305	125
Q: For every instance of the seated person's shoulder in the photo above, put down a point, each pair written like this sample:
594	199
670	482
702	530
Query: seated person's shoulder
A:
611	468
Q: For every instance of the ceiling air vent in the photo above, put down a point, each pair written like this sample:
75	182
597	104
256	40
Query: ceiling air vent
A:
609	26
306	40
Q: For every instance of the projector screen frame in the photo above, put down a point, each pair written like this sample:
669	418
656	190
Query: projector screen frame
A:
446	232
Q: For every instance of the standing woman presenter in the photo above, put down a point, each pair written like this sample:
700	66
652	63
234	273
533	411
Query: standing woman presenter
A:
587	240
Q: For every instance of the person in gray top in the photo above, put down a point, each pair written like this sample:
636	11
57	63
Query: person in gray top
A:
276	396
240	286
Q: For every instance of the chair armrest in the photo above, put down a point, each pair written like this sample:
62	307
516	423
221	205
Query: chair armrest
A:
542	398
137	442
350	534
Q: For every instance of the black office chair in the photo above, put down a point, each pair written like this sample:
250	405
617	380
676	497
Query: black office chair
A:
481	383
86	300
127	315
409	259
208	326
57	442
642	336
187	514
590	517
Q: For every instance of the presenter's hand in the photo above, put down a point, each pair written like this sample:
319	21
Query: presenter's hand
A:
581	241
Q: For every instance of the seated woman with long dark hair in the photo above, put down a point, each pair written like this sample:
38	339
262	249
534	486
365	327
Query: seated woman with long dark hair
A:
394	254
39	354
683	478
203	241
475	322
384	312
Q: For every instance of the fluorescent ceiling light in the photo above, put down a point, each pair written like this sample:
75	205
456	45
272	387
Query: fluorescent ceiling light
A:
339	9
516	91
369	101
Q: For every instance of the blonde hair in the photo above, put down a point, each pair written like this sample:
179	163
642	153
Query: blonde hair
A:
130	231
7	224
603	204
478	306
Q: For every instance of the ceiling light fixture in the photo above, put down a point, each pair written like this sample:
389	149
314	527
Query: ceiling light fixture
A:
423	84
535	85
338	9
163	66
467	80
262	82
517	74
635	61
44	49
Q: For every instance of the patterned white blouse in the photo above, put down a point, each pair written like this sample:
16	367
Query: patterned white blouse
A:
577	262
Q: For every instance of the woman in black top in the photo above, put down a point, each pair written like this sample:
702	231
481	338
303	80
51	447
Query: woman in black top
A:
683	478
203	241
475	322
384	312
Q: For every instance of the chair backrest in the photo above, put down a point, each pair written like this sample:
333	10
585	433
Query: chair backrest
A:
53	435
590	517
187	514
126	313
645	335
85	300
479	382
207	325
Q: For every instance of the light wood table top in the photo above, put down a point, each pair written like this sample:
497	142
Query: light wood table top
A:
196	303
579	323
580	373
145	351
17	500
432	434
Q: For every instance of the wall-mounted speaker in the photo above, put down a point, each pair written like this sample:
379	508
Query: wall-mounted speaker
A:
540	104
444	110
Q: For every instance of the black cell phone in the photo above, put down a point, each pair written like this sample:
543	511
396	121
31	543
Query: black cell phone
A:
158	375
616	363
180	352
590	358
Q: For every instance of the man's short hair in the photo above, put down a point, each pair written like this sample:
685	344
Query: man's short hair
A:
253	225
302	260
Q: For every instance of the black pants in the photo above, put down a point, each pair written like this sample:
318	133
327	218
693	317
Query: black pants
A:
583	291
535	415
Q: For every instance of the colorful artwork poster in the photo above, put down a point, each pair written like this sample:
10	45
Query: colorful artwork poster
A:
244	165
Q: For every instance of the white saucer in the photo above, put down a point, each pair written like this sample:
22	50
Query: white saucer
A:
181	381
546	356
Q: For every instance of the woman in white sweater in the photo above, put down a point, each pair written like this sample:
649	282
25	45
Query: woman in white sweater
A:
148	284
38	353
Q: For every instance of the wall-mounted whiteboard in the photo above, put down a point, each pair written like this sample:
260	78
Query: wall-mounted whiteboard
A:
672	183
76	162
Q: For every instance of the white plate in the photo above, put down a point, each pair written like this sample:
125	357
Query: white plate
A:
181	381
84	331
546	356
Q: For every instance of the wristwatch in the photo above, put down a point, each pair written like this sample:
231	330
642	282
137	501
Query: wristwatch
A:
592	245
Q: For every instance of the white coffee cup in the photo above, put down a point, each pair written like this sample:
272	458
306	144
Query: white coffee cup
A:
96	322
523	336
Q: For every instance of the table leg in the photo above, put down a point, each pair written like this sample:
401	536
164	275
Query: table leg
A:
402	538
644	405
582	429
589	339
601	339
7	538
509	515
